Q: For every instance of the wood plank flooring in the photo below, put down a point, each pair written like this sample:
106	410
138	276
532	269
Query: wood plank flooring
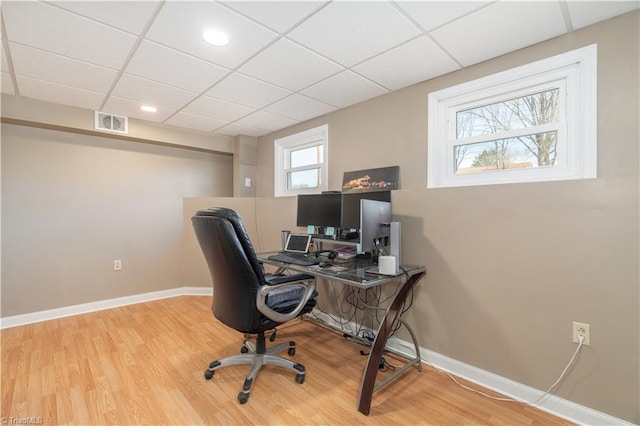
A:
144	363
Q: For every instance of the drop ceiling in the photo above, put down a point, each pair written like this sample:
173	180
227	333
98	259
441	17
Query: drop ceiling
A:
286	62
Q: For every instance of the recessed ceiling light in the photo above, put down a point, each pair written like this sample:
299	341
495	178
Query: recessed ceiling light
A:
149	108
215	37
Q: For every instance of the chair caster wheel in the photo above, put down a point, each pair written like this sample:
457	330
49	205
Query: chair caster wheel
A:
243	397
300	378
208	374
244	350
272	338
291	351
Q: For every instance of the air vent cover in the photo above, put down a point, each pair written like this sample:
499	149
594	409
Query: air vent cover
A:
111	123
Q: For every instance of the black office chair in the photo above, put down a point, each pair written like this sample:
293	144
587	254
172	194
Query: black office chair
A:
247	300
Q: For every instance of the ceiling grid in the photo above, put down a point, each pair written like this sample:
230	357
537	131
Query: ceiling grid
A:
286	61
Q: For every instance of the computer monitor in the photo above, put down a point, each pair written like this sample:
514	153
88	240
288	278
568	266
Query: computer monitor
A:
373	214
319	210
351	206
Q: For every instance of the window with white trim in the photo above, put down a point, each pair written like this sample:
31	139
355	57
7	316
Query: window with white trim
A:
301	162
533	123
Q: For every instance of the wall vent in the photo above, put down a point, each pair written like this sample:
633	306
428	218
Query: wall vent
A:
111	123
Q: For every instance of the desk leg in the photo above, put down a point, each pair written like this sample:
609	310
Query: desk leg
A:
375	354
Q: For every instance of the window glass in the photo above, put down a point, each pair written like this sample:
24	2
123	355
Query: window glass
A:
523	112
513	153
304	179
306	156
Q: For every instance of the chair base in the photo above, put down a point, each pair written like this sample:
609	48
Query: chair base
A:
257	355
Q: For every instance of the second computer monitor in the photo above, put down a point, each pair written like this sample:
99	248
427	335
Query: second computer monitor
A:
351	206
373	214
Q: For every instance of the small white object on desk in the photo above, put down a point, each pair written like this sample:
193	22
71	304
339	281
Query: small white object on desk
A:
387	265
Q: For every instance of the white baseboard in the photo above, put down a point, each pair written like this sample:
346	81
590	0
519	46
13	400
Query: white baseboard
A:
552	404
83	308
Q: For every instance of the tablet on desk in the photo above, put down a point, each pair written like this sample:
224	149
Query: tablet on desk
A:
297	243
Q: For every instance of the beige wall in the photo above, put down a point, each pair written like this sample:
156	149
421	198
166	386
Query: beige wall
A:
511	266
72	203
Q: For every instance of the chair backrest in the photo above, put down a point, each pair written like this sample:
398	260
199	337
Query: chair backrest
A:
235	271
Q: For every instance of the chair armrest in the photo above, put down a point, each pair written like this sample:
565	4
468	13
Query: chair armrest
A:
308	285
283	279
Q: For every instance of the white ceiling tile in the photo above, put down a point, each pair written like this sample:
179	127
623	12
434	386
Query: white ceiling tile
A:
168	66
215	108
129	16
43	65
433	14
266	120
585	13
149	92
344	89
7	84
299	107
413	62
289	65
49	28
180	25
57	93
500	28
277	15
132	109
248	91
350	32
192	121
235	129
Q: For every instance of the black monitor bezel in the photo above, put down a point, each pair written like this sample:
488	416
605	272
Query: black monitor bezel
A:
323	210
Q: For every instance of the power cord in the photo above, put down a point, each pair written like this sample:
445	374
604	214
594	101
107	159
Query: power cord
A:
385	365
546	393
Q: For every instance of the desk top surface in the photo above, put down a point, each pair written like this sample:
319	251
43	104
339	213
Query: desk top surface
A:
357	273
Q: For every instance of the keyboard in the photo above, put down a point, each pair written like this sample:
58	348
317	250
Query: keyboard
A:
295	258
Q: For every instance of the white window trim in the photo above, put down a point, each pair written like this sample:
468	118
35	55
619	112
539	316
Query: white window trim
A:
577	153
281	147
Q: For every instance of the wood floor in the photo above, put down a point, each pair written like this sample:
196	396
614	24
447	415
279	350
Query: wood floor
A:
144	363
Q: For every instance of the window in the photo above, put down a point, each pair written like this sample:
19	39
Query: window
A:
529	124
301	163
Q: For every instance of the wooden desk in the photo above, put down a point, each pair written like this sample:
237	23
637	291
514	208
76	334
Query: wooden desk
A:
357	274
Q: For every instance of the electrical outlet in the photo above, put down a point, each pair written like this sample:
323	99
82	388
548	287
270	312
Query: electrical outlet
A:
581	329
117	265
